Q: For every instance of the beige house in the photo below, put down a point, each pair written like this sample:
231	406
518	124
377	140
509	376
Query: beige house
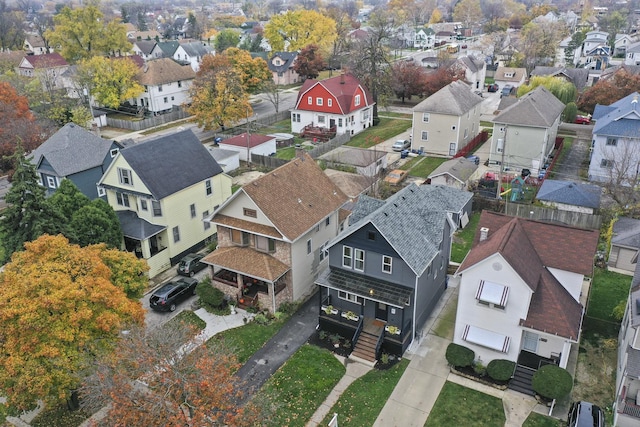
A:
510	76
272	235
445	122
162	190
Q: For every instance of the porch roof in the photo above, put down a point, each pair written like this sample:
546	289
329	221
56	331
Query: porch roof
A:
248	262
366	287
633	362
137	228
242	224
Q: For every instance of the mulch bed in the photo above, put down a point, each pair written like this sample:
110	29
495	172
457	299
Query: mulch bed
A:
343	348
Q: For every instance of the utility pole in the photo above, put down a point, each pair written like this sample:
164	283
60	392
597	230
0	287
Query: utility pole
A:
248	141
504	147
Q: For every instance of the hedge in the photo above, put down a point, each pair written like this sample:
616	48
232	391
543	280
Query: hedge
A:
501	369
209	296
460	356
552	382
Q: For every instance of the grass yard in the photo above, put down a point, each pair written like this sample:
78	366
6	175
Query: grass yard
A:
539	420
422	166
447	320
386	129
462	406
607	290
301	385
248	339
190	318
463	239
362	401
289	153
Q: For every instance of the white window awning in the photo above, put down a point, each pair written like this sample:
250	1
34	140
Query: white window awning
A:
485	338
492	293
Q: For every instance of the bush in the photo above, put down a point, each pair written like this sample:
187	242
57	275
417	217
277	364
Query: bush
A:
552	382
288	308
501	369
210	297
261	319
570	112
459	356
479	368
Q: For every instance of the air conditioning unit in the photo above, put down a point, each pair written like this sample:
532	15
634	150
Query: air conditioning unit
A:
499	150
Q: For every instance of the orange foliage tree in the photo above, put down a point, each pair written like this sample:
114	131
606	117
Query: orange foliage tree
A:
608	91
153	378
17	123
59	309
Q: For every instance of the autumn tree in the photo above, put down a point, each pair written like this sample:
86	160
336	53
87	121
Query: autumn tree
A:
296	29
442	77
564	90
58	310
369	59
436	16
408	79
152	378
225	39
217	94
309	62
252	71
111	81
539	42
28	215
607	91
468	12
84	32
11	28
18	123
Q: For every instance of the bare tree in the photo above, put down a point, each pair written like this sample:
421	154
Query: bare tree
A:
272	92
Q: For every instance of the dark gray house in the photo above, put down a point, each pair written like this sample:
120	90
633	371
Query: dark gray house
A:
388	269
76	154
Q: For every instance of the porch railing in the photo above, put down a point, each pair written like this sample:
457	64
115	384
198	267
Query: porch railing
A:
356	335
628	407
379	344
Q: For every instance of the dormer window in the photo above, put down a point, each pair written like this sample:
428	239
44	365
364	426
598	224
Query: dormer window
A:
356	100
124	176
509	74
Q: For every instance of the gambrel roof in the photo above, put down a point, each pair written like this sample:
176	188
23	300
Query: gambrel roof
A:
342	87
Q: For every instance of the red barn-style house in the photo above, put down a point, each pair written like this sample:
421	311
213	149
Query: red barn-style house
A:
332	107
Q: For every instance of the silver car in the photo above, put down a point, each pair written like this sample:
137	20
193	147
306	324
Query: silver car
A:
401	144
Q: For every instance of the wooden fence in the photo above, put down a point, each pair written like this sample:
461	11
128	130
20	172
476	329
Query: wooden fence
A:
576	219
148	122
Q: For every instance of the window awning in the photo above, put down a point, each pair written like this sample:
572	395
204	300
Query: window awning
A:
492	293
486	338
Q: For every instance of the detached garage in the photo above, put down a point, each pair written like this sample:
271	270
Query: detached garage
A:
625	244
254	143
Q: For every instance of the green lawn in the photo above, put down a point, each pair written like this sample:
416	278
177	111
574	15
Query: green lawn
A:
462	406
386	129
190	318
463	239
248	339
447	322
301	385
59	416
422	166
538	420
362	401
607	290
289	153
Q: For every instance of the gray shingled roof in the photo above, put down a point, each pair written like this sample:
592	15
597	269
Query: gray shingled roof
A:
146	46
196	49
169	47
570	193
538	108
171	163
135	227
626	232
460	168
287	61
412	221
622	118
472	63
71	150
454	99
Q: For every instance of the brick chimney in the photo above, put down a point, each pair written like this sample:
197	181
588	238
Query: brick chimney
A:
484	233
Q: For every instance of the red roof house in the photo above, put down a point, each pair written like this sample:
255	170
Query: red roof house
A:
330	107
250	143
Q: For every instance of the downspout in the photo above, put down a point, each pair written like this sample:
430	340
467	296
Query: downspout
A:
415	299
273	295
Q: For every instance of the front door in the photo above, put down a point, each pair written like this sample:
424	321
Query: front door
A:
530	342
381	311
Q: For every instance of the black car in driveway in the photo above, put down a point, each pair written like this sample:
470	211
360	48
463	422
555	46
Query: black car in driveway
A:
168	296
585	414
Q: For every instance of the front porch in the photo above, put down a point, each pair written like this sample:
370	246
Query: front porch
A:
145	240
628	404
527	365
247	291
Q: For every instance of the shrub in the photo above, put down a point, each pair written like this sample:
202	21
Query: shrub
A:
552	382
459	356
323	335
384	358
210	297
500	369
261	319
479	368
288	308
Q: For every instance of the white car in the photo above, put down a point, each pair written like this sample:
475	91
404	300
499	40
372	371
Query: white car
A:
401	144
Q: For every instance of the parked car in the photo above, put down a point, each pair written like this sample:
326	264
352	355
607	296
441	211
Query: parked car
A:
168	296
507	90
401	144
190	264
583	120
404	154
585	414
493	87
396	176
464	46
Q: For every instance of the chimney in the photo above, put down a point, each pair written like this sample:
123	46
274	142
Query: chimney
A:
342	78
634	102
300	152
484	233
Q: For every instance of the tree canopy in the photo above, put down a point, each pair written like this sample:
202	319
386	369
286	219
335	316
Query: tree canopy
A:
309	62
409	79
84	32
225	39
564	90
111	81
58	309
296	29
252	71
607	91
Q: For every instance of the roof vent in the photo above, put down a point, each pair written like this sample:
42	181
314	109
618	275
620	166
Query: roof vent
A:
299	200
484	233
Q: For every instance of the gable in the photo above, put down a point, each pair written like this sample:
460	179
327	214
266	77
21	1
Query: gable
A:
111	178
344	92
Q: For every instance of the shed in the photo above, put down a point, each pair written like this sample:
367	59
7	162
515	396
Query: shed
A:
570	196
454	173
625	244
366	162
244	143
229	160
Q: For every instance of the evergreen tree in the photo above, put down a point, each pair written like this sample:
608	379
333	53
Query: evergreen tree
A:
96	223
28	215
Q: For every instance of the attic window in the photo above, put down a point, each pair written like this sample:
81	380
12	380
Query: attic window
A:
371	235
114	152
509	75
250	212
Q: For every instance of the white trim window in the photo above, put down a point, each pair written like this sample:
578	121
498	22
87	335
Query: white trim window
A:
350	297
387	264
347	256
424	135
309	247
425	117
208	188
176	234
122	199
319	101
356	100
51	182
359	260
192	210
492	295
485	338
101	191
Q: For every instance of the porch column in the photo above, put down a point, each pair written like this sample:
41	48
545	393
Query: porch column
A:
272	291
566	350
146	248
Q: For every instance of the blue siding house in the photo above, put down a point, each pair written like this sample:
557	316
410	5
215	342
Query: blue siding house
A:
76	154
388	269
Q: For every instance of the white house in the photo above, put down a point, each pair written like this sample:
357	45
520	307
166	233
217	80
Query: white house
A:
247	144
632	54
369	163
622	42
520	290
147	49
166	85
616	138
192	53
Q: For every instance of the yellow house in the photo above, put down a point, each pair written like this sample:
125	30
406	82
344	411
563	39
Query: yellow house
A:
161	190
